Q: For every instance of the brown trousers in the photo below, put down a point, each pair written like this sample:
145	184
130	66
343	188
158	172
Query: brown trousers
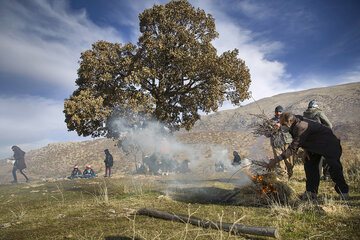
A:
288	164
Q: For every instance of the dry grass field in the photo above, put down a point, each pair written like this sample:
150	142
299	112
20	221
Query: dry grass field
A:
103	209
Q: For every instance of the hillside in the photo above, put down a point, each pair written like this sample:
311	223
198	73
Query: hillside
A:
226	129
340	103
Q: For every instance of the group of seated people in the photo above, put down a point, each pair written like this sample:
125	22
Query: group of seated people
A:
87	173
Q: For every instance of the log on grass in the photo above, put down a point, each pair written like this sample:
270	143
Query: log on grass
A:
229	227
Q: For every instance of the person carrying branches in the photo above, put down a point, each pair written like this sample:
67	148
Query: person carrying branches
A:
280	143
280	137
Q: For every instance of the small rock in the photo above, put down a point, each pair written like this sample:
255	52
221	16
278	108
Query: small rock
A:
69	236
163	197
59	216
5	225
112	211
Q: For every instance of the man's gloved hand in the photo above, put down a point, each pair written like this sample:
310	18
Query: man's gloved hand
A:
271	164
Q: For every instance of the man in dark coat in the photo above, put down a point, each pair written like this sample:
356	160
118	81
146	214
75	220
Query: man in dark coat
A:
19	156
319	141
109	162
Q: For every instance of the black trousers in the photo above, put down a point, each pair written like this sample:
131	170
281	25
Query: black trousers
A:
21	171
335	168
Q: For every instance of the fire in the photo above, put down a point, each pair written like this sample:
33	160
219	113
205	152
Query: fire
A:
266	188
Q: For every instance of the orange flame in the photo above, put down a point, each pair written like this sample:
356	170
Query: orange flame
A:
266	188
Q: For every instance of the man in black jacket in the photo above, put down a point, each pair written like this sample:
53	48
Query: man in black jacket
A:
319	141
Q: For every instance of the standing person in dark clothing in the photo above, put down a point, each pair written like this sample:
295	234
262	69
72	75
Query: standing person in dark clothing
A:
313	112
318	141
19	156
109	162
237	159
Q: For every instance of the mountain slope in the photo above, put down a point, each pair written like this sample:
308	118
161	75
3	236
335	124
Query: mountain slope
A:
340	103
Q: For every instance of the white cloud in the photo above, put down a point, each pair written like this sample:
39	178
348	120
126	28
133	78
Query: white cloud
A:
31	122
253	9
351	76
43	40
269	77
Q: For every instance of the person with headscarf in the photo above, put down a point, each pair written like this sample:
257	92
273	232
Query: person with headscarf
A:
88	172
76	173
19	164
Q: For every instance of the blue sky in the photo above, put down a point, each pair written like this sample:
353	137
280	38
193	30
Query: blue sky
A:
288	46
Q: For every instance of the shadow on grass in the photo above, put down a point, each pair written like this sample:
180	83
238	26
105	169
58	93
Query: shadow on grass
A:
194	181
206	195
119	238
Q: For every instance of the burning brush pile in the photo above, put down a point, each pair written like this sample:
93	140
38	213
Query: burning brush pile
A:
265	188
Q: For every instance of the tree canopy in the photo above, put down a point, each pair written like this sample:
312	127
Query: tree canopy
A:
170	75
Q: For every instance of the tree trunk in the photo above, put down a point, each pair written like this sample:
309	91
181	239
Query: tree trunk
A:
229	227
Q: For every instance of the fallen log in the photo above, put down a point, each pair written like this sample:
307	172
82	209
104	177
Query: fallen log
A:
229	227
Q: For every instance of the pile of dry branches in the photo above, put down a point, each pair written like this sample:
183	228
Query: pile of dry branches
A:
266	127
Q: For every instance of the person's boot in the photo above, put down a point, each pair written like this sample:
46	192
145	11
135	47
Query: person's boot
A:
308	196
14	181
344	196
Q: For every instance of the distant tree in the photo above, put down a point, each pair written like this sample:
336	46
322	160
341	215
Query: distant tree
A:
172	73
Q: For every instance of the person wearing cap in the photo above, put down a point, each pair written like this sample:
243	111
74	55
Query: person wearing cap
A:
109	162
88	172
319	141
286	139
313	112
76	173
19	164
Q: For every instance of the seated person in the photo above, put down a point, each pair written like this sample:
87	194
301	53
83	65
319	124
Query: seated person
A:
76	173
237	159
88	172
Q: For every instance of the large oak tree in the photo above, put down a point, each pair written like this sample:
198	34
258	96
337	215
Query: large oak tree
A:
170	75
